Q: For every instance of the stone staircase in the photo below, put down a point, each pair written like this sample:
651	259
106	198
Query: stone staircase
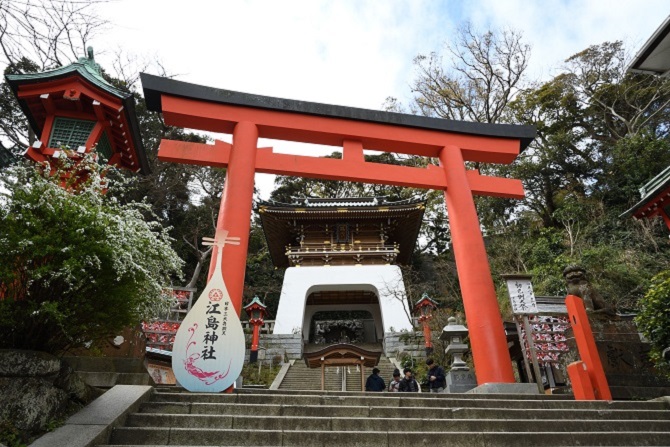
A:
285	418
300	377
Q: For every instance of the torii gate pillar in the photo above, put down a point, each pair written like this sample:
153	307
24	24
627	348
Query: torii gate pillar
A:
487	336
235	208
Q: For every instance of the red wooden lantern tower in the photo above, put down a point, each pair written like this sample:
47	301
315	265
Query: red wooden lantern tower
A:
257	312
424	308
74	110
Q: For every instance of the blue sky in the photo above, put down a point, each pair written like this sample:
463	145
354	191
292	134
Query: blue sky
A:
350	52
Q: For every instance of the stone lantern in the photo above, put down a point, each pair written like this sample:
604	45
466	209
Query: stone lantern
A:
459	378
256	311
424	308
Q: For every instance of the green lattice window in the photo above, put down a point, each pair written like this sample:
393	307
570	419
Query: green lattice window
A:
104	149
70	133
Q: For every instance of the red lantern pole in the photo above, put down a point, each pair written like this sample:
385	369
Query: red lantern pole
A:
427	334
256	311
253	354
424	307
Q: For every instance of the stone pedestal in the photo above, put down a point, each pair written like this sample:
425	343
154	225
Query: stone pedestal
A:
460	381
630	374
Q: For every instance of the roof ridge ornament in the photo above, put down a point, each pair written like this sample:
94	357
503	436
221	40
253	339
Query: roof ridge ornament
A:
91	64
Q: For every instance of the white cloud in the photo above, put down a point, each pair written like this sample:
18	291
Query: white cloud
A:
350	52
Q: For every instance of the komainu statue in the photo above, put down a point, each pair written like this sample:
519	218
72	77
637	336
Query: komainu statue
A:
577	284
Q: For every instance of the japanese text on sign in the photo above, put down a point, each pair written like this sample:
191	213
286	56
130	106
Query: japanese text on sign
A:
521	296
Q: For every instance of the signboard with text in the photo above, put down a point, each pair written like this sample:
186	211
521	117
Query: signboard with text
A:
521	295
208	351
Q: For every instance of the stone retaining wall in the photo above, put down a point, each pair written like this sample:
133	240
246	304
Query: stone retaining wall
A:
37	388
397	344
287	346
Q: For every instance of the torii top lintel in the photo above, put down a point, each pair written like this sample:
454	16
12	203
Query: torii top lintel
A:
218	110
206	108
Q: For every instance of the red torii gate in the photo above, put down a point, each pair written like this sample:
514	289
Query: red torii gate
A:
249	117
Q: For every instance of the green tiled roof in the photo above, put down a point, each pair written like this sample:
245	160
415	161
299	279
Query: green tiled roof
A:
650	189
255	300
85	66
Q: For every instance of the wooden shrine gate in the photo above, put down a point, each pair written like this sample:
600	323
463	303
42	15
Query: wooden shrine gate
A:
342	355
249	117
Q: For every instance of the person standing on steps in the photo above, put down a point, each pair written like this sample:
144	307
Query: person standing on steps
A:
394	384
436	378
374	382
408	384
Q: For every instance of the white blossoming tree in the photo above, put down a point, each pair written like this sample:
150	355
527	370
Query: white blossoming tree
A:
76	264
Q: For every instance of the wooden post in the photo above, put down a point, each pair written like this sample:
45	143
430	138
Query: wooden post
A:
588	351
582	387
533	354
362	377
523	350
323	376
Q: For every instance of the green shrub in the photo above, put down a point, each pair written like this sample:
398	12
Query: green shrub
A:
260	373
77	265
653	319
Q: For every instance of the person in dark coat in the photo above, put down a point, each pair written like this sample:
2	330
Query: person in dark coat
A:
374	382
395	381
435	377
408	384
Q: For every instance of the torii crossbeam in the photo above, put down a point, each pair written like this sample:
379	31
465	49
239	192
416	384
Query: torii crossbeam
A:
249	117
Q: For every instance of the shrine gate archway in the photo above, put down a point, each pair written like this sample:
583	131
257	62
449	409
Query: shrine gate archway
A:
249	117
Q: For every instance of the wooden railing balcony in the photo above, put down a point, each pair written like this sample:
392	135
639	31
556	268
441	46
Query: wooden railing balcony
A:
342	254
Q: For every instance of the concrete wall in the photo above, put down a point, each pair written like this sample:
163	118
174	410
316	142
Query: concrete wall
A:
383	280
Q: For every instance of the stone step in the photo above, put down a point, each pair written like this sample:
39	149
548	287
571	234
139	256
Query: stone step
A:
260	437
357	424
419	400
264	418
387	412
474	396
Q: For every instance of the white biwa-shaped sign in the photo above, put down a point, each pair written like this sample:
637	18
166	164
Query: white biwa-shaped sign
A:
208	350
